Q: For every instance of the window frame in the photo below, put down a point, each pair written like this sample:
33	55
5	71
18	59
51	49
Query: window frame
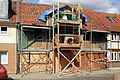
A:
3	31
111	19
113	59
118	56
1	53
114	37
118	37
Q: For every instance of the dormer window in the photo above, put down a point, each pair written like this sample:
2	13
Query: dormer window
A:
111	19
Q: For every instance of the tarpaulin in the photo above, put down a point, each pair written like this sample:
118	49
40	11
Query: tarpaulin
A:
47	12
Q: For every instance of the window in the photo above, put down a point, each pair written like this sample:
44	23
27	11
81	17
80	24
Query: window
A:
119	56
114	36
111	19
4	57
119	36
3	30
114	56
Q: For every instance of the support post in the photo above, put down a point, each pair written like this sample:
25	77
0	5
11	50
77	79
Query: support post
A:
29	63
85	53
91	48
21	51
58	46
110	48
80	38
53	40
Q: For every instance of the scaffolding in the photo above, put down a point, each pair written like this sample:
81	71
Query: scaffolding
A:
58	47
64	38
30	55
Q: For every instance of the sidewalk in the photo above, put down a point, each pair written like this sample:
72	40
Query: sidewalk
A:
107	74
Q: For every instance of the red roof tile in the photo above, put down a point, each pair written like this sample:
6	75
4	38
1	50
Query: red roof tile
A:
29	13
101	22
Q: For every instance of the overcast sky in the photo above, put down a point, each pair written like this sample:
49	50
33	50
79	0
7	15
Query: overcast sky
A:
109	6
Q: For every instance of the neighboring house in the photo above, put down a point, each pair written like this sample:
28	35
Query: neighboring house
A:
109	23
22	32
8	38
8	46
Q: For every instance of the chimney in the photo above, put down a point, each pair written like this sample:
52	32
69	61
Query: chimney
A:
23	1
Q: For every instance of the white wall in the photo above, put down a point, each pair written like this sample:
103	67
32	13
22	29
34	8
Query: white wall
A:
10	37
113	44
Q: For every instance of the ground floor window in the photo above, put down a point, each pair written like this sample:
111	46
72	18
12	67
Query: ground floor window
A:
119	56
114	56
3	57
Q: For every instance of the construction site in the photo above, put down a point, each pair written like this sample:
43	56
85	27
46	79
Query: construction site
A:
62	38
64	45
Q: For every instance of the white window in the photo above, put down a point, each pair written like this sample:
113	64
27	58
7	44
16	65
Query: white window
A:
119	36
119	56
4	57
3	30
114	36
114	56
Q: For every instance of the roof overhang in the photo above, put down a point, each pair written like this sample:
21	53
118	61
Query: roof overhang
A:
38	27
100	31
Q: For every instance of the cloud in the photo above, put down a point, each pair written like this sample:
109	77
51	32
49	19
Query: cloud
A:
113	10
96	4
110	6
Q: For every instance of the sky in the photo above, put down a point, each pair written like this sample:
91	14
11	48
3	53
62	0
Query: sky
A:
108	6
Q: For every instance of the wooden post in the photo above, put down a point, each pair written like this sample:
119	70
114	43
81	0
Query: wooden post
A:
72	13
73	18
110	48
29	62
85	53
58	46
53	53
79	37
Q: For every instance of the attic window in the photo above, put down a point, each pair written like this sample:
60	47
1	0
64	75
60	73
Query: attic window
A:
110	18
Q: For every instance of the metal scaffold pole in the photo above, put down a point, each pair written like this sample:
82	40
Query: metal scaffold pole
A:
91	48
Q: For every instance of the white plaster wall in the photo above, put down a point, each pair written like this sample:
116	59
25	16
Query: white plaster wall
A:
10	37
108	37
114	45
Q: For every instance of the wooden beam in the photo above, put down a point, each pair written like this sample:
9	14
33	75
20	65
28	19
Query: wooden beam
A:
70	35
69	45
69	22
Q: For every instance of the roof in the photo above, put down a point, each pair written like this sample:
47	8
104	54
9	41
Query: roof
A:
29	14
99	21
